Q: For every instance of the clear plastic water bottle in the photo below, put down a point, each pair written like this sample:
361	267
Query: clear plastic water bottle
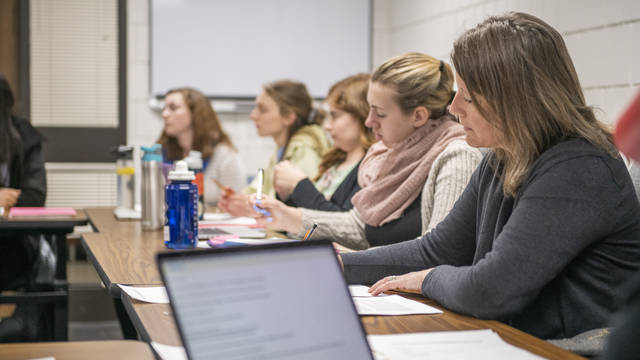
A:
152	189
181	196
194	161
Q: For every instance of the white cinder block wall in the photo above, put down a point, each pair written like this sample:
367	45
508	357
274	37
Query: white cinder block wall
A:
602	37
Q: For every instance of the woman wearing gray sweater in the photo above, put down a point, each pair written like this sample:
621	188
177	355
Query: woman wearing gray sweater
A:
549	225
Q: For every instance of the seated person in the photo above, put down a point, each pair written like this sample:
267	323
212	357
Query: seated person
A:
22	183
337	178
190	123
549	225
412	176
284	111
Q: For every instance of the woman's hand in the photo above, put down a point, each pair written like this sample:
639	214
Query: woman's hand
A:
410	282
286	177
9	197
274	214
235	204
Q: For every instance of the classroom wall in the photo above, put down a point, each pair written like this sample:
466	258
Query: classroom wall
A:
144	124
602	37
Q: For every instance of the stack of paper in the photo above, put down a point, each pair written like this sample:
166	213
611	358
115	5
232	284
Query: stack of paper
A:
447	345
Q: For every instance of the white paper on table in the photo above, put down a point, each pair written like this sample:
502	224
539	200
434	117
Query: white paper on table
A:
150	294
361	291
43	358
218	219
204	243
216	216
391	305
446	345
169	352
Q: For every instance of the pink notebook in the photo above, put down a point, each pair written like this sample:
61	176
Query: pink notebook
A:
41	212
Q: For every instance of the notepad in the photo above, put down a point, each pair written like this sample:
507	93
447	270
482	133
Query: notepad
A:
41	212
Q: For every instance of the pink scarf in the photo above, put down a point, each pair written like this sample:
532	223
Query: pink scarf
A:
392	178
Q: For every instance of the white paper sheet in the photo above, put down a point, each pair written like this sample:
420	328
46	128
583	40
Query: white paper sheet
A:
391	305
169	352
447	345
220	218
361	291
150	294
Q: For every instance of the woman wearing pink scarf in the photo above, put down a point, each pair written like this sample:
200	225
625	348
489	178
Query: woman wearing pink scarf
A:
412	176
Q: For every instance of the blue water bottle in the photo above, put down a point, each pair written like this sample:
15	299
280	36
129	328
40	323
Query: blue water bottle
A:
181	227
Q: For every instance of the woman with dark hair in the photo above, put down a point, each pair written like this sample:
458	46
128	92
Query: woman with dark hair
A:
22	183
190	123
549	225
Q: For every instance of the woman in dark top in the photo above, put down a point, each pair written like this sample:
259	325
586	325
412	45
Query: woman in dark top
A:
337	179
22	183
549	225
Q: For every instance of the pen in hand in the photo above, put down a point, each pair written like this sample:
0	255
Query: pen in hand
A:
259	183
307	236
226	190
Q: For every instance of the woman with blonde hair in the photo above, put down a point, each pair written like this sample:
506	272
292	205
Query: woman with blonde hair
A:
549	225
337	179
415	172
190	123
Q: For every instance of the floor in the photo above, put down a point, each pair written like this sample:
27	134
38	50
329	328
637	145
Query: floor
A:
91	311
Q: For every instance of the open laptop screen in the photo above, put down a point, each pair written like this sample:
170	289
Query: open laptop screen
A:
284	301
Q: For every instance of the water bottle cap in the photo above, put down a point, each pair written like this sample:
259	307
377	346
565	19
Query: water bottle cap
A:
152	153
181	172
194	160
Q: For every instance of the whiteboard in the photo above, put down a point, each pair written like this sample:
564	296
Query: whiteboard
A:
229	48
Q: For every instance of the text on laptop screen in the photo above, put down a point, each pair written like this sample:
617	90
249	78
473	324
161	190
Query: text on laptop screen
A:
277	303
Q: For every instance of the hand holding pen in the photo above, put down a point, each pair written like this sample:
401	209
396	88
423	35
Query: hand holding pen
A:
280	216
258	198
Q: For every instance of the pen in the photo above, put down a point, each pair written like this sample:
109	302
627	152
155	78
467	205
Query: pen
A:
259	184
307	236
226	190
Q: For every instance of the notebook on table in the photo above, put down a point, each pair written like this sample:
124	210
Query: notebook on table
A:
277	301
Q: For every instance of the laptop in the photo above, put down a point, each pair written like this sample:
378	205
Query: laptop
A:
276	301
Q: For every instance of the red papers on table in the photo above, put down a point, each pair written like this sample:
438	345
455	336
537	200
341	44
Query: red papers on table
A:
41	212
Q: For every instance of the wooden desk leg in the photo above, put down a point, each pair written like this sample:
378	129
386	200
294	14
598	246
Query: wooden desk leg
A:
128	330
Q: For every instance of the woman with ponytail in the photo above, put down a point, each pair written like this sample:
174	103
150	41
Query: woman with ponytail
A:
284	111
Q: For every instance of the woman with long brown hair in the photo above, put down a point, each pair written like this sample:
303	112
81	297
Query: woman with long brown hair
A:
337	179
549	225
190	123
285	112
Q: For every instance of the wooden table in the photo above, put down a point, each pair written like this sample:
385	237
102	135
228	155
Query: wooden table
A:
55	230
124	254
121	252
78	350
155	322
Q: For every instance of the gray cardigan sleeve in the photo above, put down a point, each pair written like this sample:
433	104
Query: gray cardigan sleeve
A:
555	217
